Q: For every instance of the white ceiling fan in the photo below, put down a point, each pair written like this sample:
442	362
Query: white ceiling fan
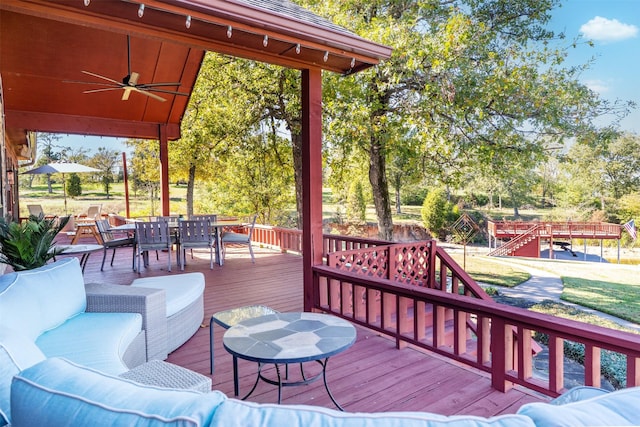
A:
130	83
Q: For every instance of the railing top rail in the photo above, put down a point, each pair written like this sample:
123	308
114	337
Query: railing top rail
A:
356	239
468	281
625	342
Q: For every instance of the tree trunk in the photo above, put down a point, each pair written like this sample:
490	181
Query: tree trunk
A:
296	142
49	188
191	182
378	180
398	205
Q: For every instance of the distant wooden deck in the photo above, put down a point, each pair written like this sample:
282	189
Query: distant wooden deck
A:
370	376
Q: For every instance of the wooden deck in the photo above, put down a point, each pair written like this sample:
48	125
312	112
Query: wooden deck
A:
370	376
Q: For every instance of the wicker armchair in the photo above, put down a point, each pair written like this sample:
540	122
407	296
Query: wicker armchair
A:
150	303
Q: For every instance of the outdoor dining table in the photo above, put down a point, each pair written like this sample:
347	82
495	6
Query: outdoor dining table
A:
73	250
217	227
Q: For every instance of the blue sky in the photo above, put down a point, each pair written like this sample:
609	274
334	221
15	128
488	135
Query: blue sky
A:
612	25
614	28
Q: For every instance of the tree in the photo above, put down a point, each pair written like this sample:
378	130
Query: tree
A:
434	212
356	203
74	186
475	80
105	160
145	168
50	152
600	169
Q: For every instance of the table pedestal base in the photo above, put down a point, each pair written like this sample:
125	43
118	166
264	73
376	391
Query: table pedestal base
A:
280	383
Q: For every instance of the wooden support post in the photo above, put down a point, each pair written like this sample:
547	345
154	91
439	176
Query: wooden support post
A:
311	180
164	170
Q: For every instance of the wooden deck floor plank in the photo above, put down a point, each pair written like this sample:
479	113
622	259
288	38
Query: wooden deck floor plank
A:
371	376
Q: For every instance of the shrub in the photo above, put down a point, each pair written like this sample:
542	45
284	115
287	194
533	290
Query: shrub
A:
434	212
356	204
74	186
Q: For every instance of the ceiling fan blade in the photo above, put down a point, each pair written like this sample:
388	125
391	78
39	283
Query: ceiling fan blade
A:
159	84
147	93
166	91
91	83
102	77
101	90
126	93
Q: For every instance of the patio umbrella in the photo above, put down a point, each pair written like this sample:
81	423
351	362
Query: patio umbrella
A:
62	167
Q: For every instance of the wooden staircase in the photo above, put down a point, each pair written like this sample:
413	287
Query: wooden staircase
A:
521	240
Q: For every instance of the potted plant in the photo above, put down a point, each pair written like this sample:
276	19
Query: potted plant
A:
29	244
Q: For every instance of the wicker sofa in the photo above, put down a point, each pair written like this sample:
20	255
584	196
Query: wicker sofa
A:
50	312
57	392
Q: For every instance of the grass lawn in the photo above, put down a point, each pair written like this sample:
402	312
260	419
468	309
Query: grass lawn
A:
139	204
610	288
483	270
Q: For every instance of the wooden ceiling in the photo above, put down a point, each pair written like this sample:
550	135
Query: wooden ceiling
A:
45	46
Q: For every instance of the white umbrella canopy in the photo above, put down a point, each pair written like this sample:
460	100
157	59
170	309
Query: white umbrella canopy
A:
61	167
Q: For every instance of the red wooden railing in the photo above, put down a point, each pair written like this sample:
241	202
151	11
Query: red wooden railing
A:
421	316
517	242
561	230
376	287
290	240
416	294
286	239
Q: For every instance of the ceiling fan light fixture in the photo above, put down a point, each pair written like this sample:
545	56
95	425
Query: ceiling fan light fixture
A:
141	10
187	23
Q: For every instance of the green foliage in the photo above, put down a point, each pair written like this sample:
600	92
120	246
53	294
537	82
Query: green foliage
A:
356	208
613	365
414	195
74	186
434	212
29	244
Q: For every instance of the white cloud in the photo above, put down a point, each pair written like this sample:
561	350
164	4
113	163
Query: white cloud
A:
608	30
597	86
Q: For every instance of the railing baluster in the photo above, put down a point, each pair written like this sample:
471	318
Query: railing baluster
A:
556	363
592	365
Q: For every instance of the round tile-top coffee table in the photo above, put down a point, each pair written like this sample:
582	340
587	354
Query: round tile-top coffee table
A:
284	338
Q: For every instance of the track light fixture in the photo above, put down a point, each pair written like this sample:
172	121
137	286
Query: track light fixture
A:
265	41
298	48
187	23
86	2
326	56
141	10
229	32
353	62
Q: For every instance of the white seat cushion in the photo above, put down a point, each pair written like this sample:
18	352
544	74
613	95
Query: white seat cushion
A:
98	340
181	289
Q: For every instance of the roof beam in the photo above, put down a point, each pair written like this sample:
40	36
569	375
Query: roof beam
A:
98	126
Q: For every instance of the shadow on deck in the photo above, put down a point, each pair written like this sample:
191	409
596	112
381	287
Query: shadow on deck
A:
371	376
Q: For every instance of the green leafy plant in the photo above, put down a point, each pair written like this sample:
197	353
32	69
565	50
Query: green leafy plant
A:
29	244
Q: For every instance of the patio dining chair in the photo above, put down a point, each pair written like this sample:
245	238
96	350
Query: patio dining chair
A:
152	236
35	210
94	211
110	241
195	234
234	238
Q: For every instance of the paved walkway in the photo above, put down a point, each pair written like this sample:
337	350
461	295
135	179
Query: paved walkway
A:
546	286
